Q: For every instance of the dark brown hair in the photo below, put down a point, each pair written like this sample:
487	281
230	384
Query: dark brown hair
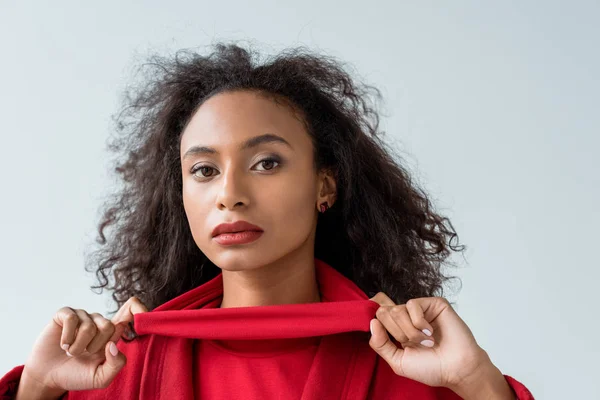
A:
382	231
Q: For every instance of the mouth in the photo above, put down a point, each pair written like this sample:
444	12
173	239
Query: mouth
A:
233	238
235	227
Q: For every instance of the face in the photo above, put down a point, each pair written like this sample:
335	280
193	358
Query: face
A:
269	183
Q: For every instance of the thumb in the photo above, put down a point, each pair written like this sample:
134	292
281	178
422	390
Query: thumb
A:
381	343
108	370
125	314
132	306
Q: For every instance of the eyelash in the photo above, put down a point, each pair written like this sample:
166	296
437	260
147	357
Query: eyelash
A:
271	159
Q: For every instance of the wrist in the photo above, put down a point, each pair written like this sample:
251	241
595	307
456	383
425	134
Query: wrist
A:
30	388
488	383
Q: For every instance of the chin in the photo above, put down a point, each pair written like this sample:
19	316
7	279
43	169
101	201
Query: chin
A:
236	260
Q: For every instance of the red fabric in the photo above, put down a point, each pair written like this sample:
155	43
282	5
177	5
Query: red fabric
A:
276	369
189	349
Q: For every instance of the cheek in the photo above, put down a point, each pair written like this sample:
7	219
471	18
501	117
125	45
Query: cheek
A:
196	209
290	207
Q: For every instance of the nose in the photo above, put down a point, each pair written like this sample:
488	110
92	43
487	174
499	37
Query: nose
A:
233	189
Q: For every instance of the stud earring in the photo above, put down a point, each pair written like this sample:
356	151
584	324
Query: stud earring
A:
324	207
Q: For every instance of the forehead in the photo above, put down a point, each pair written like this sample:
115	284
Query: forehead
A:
230	117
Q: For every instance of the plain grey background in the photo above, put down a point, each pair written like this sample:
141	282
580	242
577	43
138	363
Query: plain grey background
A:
495	105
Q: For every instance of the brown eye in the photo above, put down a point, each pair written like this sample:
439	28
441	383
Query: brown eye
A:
205	169
267	162
270	161
202	168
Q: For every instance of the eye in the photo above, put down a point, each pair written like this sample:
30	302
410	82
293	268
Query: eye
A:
264	161
200	168
269	161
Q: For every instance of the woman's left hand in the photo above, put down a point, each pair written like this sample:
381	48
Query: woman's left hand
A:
454	357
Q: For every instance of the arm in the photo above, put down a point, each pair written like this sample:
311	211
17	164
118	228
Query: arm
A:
34	390
491	384
16	385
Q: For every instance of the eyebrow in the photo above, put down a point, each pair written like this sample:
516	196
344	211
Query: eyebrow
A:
250	143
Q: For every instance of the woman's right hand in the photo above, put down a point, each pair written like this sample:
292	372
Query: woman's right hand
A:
90	364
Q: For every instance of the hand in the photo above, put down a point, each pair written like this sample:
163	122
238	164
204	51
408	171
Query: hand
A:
90	364
454	356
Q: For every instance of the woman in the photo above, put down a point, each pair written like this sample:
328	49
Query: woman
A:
260	207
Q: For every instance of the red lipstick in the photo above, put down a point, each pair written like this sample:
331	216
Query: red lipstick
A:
239	232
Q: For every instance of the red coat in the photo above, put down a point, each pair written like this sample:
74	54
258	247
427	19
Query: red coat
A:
183	351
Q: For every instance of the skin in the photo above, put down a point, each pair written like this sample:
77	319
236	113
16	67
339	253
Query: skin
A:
282	198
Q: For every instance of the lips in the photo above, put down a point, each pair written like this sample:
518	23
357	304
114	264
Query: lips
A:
238	226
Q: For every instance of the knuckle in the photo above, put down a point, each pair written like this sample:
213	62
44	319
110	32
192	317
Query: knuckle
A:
109	327
71	317
400	336
405	342
88	328
103	324
421	323
405	336
65	309
444	300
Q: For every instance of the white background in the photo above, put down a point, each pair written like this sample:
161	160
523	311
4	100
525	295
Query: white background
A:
494	104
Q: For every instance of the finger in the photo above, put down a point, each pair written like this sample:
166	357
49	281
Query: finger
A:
403	320
432	307
381	343
105	330
66	318
124	316
120	329
382	299
388	321
84	335
132	306
108	370
385	303
417	315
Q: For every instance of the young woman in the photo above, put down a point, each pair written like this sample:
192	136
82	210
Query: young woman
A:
266	244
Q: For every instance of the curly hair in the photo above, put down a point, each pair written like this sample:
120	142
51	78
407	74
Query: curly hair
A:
381	232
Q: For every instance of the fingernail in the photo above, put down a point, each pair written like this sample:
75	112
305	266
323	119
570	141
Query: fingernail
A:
371	326
113	349
69	354
427	332
427	343
65	347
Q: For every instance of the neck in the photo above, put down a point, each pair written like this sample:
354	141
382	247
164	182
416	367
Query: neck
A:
290	280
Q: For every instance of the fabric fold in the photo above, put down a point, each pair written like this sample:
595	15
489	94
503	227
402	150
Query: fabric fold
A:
341	366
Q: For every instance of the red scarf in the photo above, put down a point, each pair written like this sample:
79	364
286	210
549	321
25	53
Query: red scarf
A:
343	365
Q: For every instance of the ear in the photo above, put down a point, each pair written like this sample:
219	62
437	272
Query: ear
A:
327	188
